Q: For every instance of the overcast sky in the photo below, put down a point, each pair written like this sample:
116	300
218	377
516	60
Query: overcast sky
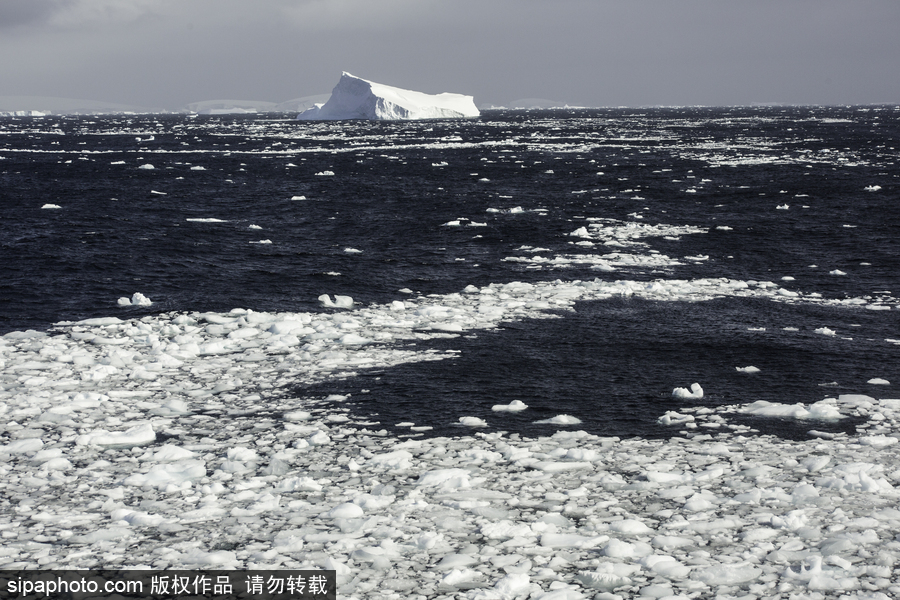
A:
167	53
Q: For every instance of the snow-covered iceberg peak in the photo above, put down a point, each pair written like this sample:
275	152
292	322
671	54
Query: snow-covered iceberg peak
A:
355	98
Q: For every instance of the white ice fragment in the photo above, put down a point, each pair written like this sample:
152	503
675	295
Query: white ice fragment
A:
825	331
347	510
836	272
750	369
299	484
200	557
139	435
137	299
675	418
146	166
560	420
297	415
695	393
571	540
172	453
878	381
298	197
782	207
514	406
877	441
819	410
51	206
339	301
472	422
164	475
319	438
398	459
444	479
630	527
731	574
616	548
24	446
872	188
325	173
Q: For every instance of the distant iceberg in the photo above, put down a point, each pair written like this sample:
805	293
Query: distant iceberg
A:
355	98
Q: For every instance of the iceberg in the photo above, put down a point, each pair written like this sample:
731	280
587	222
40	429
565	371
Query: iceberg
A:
355	98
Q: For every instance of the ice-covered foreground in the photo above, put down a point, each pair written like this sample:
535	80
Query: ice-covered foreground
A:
355	98
168	441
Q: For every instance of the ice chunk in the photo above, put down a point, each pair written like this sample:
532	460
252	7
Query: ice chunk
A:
731	574
514	406
162	476
139	435
695	393
51	206
878	381
750	369
339	301
560	420
137	299
444	479
473	422
347	510
356	98
820	410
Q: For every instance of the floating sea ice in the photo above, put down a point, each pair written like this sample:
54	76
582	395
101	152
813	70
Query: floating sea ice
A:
262	242
198	168
514	406
873	188
560	420
160	194
26	446
878	381
138	299
825	331
750	369
325	173
51	206
255	227
209	220
339	301
675	418
731	574
298	197
473	422
820	410
836	272
347	510
695	393
352	251
782	207
139	435
146	166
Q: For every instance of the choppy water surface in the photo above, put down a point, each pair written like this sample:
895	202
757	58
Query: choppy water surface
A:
267	214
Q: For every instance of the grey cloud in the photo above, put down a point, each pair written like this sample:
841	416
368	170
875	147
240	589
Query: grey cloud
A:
18	13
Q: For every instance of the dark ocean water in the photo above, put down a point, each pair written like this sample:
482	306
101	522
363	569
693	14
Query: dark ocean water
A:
393	187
